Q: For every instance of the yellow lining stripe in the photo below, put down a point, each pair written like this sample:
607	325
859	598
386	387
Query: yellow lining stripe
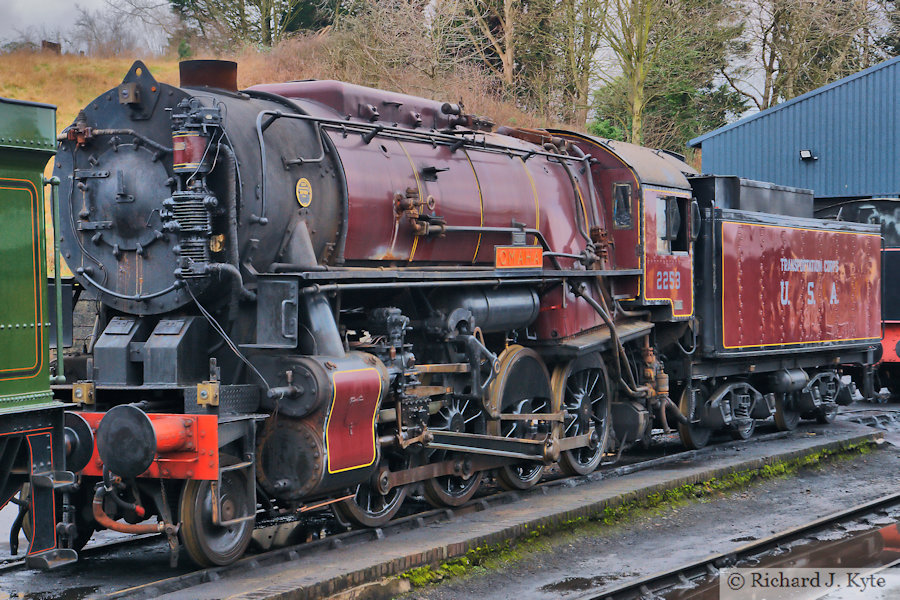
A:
690	254
480	202
374	414
412	251
38	365
537	200
722	229
878	235
608	151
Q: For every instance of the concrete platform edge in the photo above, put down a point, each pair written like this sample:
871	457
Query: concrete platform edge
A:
444	552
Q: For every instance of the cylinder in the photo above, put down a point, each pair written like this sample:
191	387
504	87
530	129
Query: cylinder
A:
189	153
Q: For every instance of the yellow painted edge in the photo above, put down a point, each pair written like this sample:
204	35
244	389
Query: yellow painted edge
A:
722	227
537	200
480	203
412	251
678	194
38	365
374	414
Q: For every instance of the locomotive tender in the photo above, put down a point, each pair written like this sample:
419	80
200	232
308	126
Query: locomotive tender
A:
316	294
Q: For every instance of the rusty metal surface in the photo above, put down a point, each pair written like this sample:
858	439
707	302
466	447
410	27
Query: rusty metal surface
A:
797	284
220	74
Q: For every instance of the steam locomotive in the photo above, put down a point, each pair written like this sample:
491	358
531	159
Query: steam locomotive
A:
34	430
318	295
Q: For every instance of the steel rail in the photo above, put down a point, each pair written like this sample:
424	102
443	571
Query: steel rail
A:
652	586
283	555
417	520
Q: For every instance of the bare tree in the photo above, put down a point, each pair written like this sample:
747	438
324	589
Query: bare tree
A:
383	37
793	46
100	33
630	37
157	23
494	33
224	23
584	24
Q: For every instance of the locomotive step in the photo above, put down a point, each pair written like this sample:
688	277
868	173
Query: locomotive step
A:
51	559
55	480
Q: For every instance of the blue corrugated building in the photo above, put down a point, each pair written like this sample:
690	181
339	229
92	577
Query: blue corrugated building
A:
840	140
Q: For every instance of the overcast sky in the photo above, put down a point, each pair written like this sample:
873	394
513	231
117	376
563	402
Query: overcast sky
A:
40	15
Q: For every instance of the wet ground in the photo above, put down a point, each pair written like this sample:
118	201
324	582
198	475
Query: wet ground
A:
872	542
630	550
608	557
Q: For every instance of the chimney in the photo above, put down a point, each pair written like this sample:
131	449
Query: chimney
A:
219	74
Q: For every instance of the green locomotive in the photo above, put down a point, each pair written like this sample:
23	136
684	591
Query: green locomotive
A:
32	431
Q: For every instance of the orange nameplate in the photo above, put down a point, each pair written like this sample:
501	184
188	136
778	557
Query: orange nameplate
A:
518	257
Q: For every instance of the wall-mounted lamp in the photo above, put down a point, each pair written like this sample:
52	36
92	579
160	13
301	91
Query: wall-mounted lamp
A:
807	155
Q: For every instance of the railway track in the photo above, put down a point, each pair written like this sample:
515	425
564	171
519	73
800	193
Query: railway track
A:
417	519
420	519
692	574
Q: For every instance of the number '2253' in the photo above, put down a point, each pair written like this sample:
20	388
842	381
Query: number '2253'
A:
668	280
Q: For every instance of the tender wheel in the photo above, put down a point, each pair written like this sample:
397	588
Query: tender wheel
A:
826	413
786	419
370	508
581	388
523	387
454	490
744	431
693	435
209	544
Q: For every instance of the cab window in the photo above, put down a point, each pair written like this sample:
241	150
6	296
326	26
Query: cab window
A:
622	218
672	224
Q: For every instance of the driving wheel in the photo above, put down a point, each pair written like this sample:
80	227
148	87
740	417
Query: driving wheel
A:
369	507
458	415
581	389
786	418
522	387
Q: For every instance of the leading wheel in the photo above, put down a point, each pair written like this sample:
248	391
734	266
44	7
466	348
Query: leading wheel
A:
581	389
522	387
459	415
786	418
693	435
369	507
207	543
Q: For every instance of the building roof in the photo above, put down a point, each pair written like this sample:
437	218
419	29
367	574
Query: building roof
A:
698	141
